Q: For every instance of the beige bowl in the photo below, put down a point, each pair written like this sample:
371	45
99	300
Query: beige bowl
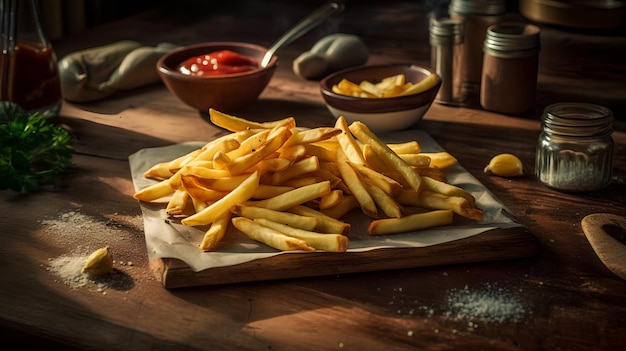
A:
380	114
225	93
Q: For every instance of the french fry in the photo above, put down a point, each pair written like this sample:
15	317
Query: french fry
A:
269	236
326	242
177	203
311	136
432	200
416	160
296	170
326	224
353	182
240	194
295	197
384	202
350	147
347	204
322	153
440	160
447	189
159	190
265	191
370	176
411	222
244	162
237	124
197	190
391	159
409	147
287	218
331	199
215	233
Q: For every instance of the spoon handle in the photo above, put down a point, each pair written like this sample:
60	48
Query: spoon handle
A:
306	24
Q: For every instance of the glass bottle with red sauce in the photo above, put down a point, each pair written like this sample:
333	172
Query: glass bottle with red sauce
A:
28	65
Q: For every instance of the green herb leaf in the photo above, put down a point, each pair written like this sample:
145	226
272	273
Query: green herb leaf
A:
33	151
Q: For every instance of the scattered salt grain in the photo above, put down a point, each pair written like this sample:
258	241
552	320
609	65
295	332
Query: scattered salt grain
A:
491	304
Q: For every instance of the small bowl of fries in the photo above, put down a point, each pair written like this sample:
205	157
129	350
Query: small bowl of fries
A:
386	97
226	92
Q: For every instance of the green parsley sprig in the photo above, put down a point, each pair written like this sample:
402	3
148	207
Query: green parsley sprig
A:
33	151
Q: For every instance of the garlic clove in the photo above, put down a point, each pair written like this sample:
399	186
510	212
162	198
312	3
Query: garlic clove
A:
505	165
100	262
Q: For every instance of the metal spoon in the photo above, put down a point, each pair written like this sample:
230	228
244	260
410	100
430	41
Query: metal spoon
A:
306	24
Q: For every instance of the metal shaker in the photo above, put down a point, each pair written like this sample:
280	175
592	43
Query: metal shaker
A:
446	37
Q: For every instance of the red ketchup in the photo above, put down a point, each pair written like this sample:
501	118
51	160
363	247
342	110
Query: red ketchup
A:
217	63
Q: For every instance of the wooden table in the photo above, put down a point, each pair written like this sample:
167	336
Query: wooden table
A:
563	298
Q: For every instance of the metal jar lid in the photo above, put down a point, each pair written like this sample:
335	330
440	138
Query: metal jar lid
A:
572	119
512	39
445	31
478	7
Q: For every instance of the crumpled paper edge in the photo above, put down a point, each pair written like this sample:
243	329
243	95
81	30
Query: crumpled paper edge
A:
167	238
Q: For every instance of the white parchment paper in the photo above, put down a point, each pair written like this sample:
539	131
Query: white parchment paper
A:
167	238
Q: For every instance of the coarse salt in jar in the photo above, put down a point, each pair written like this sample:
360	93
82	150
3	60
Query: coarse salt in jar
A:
575	147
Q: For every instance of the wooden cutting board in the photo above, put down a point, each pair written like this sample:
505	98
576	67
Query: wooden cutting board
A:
496	244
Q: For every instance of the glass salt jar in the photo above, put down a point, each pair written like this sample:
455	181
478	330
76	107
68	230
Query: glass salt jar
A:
575	147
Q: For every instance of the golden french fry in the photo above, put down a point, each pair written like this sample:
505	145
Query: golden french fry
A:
221	160
326	223
346	140
242	163
311	136
383	201
410	223
326	242
440	160
331	199
224	146
297	170
268	165
354	184
196	188
164	170
409	147
236	124
299	182
436	201
370	176
269	236
250	144
422	85
215	233
295	197
240	194
293	152
203	172
374	161
322	153
447	189
391	159
416	160
265	191
431	172
287	218
347	204
159	190
177	203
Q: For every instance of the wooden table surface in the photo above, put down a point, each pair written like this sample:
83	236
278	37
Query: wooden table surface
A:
563	298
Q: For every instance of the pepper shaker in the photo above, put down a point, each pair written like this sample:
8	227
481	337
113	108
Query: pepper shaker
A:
446	37
510	68
477	16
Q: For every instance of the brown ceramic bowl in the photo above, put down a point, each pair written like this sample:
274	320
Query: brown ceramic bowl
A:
380	114
225	93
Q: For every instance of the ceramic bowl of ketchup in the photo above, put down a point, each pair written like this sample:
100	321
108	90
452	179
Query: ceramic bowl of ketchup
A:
225	76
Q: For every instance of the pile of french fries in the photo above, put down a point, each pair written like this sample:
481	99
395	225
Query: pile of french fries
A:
290	188
391	86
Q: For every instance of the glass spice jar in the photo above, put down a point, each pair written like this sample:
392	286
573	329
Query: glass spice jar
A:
510	68
575	147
